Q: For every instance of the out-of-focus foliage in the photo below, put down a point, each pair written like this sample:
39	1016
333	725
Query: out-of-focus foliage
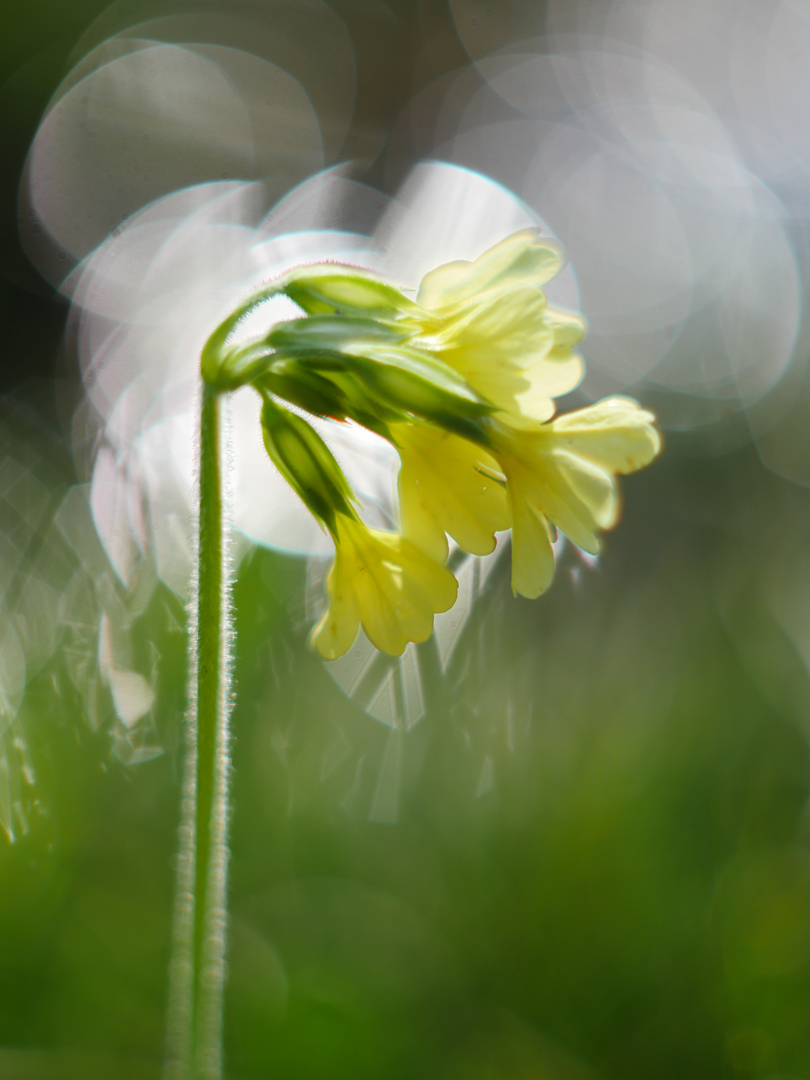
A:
599	863
578	849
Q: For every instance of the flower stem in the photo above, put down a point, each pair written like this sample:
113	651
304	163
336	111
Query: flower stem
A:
194	1035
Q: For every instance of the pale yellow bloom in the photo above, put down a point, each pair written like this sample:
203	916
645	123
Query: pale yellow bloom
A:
385	582
563	473
489	320
446	485
462	381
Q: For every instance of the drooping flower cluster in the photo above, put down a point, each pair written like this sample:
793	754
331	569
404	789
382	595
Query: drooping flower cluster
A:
462	382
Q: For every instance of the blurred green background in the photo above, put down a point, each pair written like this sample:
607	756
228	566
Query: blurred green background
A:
593	857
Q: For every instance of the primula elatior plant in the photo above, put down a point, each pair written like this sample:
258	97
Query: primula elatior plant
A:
461	381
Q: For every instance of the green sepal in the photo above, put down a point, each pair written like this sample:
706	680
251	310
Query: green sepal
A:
306	463
336	394
335	341
329	287
399	382
350	333
432	382
307	389
407	381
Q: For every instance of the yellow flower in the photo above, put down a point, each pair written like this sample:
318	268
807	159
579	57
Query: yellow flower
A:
563	473
385	582
489	320
445	485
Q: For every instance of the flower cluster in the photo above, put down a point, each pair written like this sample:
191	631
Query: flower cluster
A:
461	381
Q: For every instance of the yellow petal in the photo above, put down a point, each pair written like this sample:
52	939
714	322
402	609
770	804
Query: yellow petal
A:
568	326
523	257
532	556
557	374
385	582
496	348
437	582
515	315
420	517
549	378
393	611
591	499
400	592
500	384
443	490
574	494
616	434
335	633
565	469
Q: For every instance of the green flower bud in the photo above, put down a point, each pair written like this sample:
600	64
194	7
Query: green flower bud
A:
306	463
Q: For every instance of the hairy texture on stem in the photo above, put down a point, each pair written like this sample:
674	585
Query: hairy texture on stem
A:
198	962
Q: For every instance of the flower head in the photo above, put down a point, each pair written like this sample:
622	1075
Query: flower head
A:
462	382
385	582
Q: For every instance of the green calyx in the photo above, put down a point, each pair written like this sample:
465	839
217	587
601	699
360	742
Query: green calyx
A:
336	394
306	463
331	288
403	380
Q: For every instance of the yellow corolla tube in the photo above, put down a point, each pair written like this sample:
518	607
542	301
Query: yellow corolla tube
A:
384	582
562	473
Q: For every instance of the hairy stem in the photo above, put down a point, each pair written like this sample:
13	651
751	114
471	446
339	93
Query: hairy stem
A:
194	1035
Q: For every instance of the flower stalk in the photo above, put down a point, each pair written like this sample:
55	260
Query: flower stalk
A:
198	964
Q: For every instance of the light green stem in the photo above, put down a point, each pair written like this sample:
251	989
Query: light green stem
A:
194	1028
